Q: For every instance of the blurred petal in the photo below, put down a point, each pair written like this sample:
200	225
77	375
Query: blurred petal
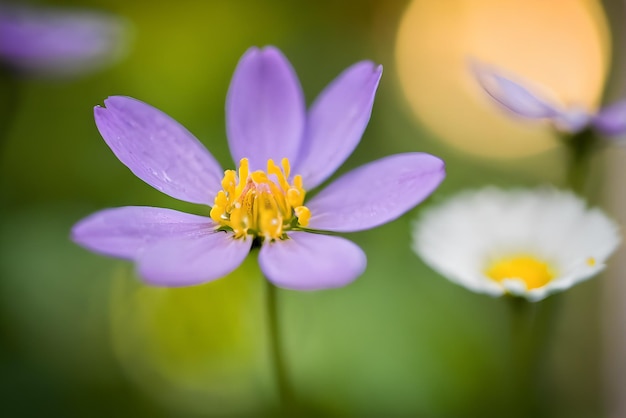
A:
336	122
376	193
191	260
159	150
466	236
612	119
265	113
125	232
308	261
512	95
59	43
574	119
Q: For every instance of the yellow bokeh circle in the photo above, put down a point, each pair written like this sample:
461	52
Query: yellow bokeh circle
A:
560	46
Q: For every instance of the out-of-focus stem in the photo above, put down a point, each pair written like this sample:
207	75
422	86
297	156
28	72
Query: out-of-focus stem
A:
580	148
9	98
285	390
531	328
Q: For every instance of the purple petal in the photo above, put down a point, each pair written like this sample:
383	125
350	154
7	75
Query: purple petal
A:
192	260
336	122
59	43
612	119
573	120
265	113
376	193
159	150
125	232
512	95
308	261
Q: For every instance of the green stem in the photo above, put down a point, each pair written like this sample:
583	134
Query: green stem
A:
521	360
285	390
581	147
9	93
531	327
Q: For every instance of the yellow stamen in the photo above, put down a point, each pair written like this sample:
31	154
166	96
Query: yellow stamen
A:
531	270
591	261
244	169
261	204
304	214
274	169
286	167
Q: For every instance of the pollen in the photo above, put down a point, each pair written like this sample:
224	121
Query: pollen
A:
261	204
535	273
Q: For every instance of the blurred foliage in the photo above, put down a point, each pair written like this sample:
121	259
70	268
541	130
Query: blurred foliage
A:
80	335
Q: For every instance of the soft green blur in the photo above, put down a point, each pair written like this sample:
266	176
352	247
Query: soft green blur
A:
81	336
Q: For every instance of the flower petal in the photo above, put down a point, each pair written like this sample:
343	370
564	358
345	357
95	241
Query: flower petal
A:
191	260
311	262
376	193
612	119
125	232
265	113
462	237
59	43
512	95
573	119
336	122
159	150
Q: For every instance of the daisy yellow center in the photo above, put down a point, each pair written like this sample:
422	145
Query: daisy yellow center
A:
261	204
531	270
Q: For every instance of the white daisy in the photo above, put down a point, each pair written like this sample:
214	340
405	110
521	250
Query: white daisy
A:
528	243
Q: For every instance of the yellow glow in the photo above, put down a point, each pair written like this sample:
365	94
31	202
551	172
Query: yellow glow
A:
534	272
160	339
253	204
560	46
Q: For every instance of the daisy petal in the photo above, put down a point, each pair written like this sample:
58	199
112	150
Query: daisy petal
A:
512	95
125	232
336	122
58	43
311	262
191	260
528	243
612	119
376	193
265	112
159	150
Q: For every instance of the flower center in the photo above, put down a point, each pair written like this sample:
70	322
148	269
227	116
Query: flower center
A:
532	271
261	204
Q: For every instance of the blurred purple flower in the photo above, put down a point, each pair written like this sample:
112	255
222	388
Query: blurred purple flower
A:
53	42
519	98
262	203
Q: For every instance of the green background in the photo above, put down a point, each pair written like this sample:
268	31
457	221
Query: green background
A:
81	336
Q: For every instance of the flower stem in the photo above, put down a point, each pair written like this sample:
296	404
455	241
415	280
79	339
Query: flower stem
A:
285	390
580	147
9	104
520	312
531	326
9	89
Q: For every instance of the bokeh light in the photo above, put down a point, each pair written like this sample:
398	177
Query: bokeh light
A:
561	46
197	349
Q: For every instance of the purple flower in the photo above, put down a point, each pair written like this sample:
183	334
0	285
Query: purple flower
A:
282	151
519	98
58	43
